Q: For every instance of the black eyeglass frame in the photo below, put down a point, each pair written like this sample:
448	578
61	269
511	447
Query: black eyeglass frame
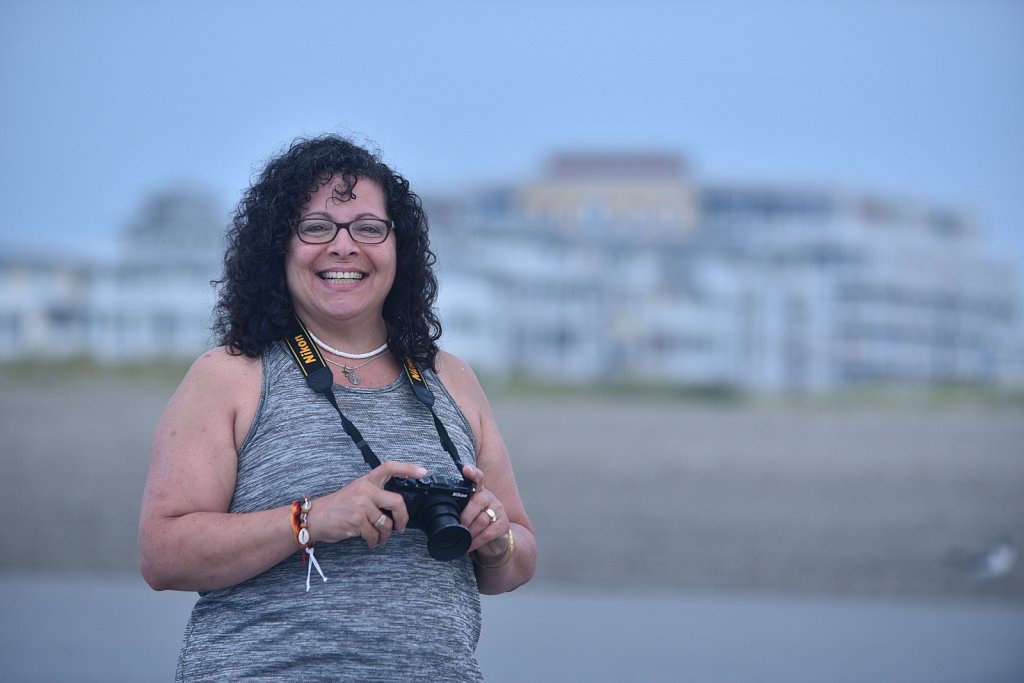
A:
338	227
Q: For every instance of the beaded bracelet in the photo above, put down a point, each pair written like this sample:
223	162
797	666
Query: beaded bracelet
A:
504	560
300	518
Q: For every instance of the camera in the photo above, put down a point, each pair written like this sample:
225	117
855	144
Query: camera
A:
434	505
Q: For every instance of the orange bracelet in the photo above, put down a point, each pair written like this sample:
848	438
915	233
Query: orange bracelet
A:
300	519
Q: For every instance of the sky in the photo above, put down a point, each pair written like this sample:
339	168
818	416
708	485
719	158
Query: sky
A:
107	102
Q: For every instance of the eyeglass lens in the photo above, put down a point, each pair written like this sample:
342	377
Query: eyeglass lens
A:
365	230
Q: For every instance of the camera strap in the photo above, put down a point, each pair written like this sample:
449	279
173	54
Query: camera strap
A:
419	387
321	380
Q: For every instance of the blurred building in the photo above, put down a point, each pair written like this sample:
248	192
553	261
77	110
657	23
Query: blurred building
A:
42	308
619	267
608	268
153	301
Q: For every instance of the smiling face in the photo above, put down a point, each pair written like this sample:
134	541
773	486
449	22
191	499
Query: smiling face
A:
339	288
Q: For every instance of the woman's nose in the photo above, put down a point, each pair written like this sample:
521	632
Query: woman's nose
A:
343	243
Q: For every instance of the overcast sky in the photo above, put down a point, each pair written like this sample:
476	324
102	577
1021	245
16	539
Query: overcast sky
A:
107	102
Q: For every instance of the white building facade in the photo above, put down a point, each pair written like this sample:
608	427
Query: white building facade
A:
752	288
154	301
609	268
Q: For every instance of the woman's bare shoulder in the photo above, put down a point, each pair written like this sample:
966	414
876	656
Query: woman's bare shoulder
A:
221	380
220	366
219	387
456	373
463	385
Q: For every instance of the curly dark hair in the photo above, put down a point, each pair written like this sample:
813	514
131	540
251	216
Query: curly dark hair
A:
254	308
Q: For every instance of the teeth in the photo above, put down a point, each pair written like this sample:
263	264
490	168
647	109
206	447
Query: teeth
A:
338	276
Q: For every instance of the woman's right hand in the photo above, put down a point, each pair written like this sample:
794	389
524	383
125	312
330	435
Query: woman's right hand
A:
357	509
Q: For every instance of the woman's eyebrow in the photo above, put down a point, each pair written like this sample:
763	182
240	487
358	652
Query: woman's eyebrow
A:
364	214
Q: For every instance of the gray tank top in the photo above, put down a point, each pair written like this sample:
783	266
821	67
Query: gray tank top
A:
391	613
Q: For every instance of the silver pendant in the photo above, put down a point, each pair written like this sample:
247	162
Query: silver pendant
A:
351	376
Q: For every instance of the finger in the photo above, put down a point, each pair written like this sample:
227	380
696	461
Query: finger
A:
392	468
477	501
475	475
488	534
381	522
371	536
382	525
471	513
493	522
395	505
368	530
485	517
491	514
483	511
479	525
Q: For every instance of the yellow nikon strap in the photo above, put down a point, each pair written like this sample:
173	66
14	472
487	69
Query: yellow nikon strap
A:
321	380
426	396
318	376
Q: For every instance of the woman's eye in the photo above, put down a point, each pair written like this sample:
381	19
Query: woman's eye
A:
314	228
369	229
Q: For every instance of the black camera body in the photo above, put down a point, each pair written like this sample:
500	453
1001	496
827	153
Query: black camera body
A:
434	505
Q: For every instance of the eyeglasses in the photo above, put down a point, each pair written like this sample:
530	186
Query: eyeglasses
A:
363	230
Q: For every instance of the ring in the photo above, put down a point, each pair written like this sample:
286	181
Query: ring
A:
379	524
492	514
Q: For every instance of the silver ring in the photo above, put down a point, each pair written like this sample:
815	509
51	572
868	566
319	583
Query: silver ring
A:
492	514
379	524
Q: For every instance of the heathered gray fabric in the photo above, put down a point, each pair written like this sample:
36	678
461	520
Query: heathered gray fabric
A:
392	613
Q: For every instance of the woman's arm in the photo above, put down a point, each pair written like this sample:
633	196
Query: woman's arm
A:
503	563
187	538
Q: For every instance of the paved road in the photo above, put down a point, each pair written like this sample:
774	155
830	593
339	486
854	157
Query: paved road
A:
115	629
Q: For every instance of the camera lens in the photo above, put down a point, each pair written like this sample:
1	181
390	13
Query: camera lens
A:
447	539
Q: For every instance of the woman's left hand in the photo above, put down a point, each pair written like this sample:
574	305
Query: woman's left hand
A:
484	516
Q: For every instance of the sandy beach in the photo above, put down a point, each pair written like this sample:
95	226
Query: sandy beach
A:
678	541
628	494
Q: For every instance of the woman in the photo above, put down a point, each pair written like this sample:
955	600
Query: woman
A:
254	486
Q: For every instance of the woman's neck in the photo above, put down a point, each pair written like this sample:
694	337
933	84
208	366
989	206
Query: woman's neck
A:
350	340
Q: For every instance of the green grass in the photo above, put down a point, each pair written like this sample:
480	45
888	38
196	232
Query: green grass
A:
870	397
161	372
896	397
531	387
167	373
